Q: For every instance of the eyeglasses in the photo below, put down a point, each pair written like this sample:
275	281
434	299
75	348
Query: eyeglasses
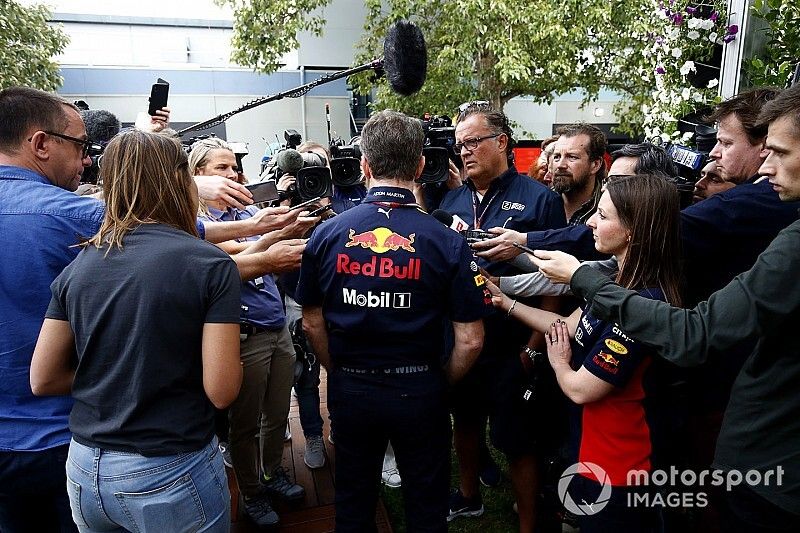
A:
472	144
86	144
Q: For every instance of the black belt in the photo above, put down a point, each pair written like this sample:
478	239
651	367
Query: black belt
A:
250	329
410	369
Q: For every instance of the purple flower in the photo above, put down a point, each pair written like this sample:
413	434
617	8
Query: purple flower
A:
728	38
714	16
677	19
659	40
660	70
691	10
733	29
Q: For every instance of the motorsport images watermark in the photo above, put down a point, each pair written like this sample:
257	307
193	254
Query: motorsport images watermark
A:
668	485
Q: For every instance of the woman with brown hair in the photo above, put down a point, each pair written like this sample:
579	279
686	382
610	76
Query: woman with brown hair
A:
606	374
143	329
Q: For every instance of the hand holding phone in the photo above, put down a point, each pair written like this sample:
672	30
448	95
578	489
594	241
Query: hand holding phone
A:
159	94
266	191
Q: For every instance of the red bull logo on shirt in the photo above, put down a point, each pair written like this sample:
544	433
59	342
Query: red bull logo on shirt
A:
383	268
381	240
607	362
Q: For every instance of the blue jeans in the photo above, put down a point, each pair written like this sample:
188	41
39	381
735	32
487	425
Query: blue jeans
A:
120	491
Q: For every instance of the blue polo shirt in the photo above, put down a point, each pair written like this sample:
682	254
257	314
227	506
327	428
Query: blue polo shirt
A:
513	201
39	226
262	305
389	277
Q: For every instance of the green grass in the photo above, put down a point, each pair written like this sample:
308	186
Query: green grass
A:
499	515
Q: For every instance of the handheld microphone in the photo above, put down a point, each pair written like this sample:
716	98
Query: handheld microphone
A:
405	58
454	222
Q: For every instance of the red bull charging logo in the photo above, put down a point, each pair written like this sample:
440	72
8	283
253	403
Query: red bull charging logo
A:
381	240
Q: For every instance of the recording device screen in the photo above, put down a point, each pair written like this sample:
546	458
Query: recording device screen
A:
158	96
266	191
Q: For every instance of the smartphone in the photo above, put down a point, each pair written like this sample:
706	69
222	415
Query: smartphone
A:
266	191
320	211
158	96
523	247
305	204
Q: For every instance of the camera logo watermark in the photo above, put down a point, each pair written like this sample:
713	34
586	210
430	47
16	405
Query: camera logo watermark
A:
584	508
661	488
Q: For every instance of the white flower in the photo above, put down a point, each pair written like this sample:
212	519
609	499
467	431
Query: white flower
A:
667	117
677	52
713	36
686	93
664	97
688	67
687	136
539	71
693	35
665	137
707	24
698	97
713	83
693	23
645	109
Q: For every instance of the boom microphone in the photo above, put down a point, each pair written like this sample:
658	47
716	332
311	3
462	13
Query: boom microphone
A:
405	62
405	58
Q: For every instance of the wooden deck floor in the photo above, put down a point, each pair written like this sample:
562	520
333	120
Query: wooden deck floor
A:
315	514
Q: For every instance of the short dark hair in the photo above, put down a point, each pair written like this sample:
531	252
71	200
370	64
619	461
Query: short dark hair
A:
785	104
23	108
746	107
598	144
392	144
650	159
495	119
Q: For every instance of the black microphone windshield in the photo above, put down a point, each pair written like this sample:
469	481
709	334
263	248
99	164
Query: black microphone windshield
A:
443	216
289	160
101	125
405	58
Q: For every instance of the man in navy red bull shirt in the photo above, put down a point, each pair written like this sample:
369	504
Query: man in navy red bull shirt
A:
379	284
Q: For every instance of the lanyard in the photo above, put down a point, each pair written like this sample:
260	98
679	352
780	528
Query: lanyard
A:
475	204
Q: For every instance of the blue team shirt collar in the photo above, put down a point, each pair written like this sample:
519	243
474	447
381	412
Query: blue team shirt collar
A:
21	173
390	194
502	181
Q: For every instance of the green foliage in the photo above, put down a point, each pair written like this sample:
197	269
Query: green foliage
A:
496	50
265	30
776	61
489	50
27	46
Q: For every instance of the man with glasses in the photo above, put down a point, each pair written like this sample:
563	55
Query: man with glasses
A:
495	195
43	152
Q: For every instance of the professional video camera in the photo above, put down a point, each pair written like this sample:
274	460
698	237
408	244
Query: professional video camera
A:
689	160
312	176
440	137
346	162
